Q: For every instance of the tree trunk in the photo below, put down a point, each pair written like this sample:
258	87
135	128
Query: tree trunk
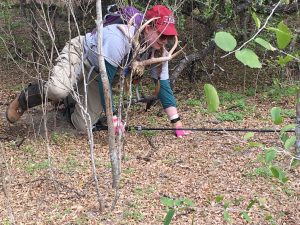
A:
114	156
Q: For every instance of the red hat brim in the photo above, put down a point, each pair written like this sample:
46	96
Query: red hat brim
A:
167	29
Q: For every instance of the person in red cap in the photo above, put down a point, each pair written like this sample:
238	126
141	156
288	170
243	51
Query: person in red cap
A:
67	74
158	34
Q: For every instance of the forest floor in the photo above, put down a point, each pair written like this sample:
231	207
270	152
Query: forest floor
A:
215	176
219	172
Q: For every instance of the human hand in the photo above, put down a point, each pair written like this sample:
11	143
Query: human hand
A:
118	125
179	132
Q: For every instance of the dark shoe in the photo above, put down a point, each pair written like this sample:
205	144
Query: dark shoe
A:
14	111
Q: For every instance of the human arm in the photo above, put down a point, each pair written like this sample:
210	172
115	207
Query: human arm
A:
168	101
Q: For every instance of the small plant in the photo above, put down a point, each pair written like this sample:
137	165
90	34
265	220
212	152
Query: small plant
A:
149	133
32	167
270	153
5	13
174	205
230	116
82	220
220	199
70	164
55	137
128	170
288	113
6	221
141	191
229	97
193	102
28	149
278	90
58	138
239	105
133	213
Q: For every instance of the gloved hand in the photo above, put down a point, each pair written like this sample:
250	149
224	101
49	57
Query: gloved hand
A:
180	133
118	125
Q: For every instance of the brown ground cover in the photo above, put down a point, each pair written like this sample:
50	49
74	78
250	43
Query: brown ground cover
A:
203	167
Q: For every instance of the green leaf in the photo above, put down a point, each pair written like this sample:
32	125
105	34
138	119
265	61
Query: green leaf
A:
283	35
268	217
295	163
275	171
225	41
278	173
256	20
248	58
212	97
248	135
169	217
177	202
252	202
284	137
246	217
290	142
283	179
262	201
253	144
276	115
282	61
226	204
288	128
270	155
265	44
219	198
167	202
188	202
227	217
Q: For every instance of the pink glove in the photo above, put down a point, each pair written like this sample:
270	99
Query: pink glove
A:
181	133
118	125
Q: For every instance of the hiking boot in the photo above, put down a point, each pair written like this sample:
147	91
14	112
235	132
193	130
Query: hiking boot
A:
14	111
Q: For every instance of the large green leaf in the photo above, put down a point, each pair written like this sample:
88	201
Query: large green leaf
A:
212	98
265	44
283	35
225	41
276	115
248	58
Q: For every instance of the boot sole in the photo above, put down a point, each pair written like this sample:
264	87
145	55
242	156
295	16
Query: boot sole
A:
18	112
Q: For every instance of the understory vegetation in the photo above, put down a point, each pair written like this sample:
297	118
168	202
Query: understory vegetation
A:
242	164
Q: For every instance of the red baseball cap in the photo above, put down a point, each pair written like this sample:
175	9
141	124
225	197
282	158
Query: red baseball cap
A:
166	23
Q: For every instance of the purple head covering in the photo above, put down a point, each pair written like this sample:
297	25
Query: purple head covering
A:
129	11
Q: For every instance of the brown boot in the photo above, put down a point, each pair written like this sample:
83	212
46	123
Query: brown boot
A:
14	111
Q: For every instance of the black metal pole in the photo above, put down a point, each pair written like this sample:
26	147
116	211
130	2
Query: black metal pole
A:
141	128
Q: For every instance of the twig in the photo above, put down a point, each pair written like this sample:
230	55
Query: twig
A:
257	33
5	189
